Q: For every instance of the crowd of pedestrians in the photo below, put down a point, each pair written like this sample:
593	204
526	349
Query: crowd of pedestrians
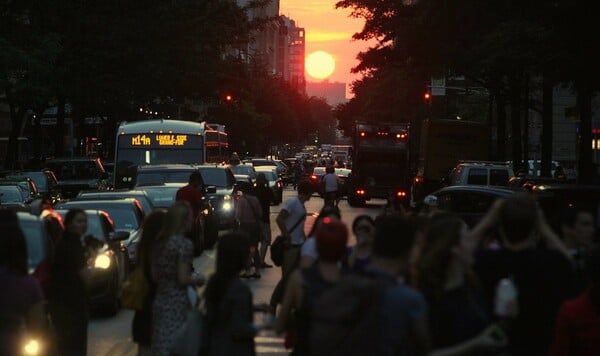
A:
411	284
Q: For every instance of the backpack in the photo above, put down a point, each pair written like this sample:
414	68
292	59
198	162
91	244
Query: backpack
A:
345	317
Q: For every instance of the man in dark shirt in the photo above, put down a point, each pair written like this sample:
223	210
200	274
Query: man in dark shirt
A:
542	275
192	193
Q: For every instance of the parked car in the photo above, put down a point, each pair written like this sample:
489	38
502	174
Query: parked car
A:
109	266
126	214
140	195
275	182
470	202
77	174
45	181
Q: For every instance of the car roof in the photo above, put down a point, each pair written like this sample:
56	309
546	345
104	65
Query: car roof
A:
170	166
122	201
96	212
27	216
501	191
73	159
165	185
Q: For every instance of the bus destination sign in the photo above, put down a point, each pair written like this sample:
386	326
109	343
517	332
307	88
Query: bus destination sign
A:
160	141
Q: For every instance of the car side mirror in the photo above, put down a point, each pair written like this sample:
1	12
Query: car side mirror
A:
119	235
211	189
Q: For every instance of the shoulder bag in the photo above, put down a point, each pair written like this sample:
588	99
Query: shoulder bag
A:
135	289
278	246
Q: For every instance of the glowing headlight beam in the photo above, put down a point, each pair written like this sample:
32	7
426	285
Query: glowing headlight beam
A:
102	262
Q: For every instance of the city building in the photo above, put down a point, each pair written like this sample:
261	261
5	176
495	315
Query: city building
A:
292	51
333	92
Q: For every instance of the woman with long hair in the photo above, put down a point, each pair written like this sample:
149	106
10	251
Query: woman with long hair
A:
229	306
172	273
442	272
142	319
21	299
68	295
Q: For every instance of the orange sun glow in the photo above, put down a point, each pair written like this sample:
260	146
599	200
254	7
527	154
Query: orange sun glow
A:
320	65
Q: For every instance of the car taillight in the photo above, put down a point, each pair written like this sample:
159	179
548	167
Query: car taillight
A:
401	194
313	177
360	191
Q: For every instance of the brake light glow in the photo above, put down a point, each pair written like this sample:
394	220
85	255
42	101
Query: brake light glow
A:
363	134
417	179
402	136
360	191
401	194
313	177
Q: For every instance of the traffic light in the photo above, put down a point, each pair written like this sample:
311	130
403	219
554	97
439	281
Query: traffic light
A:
228	98
427	97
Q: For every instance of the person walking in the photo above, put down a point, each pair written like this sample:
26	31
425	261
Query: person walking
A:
141	326
21	299
172	273
68	295
291	220
229	305
248	213
193	194
306	284
330	185
265	197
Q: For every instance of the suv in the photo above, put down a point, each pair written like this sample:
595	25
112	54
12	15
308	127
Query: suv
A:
77	174
480	173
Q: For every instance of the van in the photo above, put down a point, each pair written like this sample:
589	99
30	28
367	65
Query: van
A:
481	173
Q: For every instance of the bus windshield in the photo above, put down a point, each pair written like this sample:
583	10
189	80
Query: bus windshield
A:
168	145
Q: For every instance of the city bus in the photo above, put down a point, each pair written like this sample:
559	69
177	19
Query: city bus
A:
217	143
156	142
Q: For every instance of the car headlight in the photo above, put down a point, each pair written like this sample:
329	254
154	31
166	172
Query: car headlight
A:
32	347
227	197
226	206
102	261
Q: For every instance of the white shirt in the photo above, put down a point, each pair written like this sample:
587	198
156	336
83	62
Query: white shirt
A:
296	211
331	182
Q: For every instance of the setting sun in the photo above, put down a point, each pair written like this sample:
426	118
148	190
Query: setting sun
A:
320	65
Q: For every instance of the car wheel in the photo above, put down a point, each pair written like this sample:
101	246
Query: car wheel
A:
355	201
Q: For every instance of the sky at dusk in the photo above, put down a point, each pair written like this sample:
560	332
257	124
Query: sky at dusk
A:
330	30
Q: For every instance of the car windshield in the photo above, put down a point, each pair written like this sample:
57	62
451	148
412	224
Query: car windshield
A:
124	217
95	227
73	170
144	200
217	177
36	242
39	178
12	194
161	196
244	169
271	177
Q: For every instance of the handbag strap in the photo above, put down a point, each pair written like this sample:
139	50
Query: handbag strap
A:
296	224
